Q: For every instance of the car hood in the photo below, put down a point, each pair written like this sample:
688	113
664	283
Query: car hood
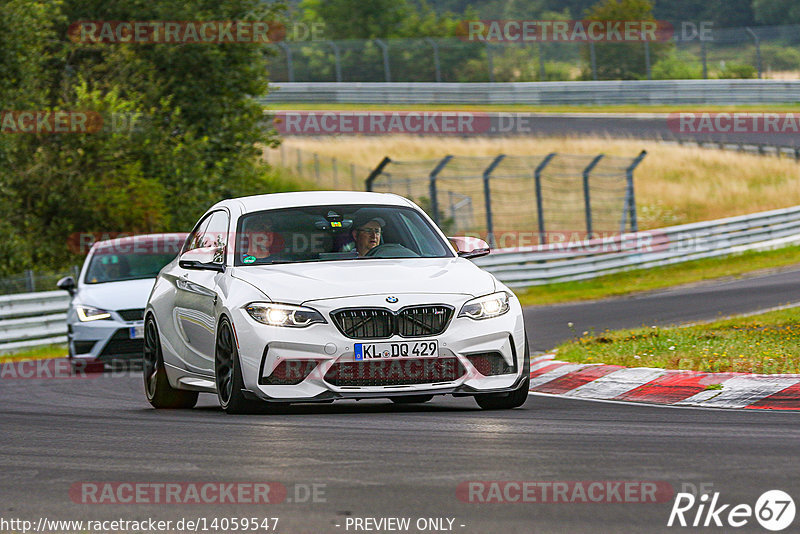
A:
305	282
125	295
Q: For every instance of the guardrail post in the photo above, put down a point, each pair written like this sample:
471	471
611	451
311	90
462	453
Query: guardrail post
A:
433	191
337	60
630	197
537	176
487	198
593	57
758	49
289	66
385	49
587	201
375	172
436	65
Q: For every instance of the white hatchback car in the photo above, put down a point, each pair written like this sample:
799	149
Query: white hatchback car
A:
318	296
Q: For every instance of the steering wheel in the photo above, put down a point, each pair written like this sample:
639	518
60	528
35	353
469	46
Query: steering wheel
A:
391	250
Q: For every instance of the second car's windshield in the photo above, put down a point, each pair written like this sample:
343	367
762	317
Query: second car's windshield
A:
342	232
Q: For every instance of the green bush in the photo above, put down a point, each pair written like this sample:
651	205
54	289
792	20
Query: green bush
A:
779	58
678	66
733	70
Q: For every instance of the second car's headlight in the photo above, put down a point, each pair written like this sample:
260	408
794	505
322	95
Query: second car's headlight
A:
486	307
87	313
283	314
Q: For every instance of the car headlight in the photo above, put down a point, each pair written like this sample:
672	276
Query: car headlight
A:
87	313
283	314
485	307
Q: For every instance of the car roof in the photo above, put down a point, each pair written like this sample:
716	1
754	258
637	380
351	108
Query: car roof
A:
313	198
141	240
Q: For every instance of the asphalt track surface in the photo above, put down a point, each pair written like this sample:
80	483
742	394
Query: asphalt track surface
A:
377	459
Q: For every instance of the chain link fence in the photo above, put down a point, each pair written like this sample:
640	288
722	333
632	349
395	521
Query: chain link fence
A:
526	199
765	51
327	172
31	281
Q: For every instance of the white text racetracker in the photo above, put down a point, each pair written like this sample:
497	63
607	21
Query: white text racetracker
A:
399	349
400	524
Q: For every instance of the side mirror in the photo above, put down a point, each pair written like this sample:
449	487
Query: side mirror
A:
67	284
203	259
470	247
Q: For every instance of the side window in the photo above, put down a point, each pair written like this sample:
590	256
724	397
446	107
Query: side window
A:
195	238
216	234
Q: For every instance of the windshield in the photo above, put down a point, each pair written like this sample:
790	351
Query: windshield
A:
328	233
115	266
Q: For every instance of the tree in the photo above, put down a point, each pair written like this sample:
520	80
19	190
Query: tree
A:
622	61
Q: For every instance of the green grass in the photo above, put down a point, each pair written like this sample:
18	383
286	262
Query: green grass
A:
36	353
625	108
768	343
635	281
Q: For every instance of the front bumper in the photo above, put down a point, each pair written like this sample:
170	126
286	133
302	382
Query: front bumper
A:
328	353
104	341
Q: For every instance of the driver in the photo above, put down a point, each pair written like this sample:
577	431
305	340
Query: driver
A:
260	238
367	235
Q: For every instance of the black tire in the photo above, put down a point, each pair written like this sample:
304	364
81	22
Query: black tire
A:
156	384
411	399
228	374
515	399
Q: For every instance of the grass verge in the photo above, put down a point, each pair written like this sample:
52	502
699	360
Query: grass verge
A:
768	343
635	281
626	108
45	352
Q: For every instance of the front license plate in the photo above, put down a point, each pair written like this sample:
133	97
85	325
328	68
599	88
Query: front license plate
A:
399	349
136	332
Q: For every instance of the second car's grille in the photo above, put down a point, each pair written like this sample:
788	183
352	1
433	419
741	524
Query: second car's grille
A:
132	315
380	323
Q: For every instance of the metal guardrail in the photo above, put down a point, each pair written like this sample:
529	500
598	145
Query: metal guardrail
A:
676	92
33	319
538	265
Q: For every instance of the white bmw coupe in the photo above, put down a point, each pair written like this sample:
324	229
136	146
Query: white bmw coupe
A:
318	296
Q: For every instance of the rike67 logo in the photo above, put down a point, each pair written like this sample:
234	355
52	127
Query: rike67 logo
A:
774	510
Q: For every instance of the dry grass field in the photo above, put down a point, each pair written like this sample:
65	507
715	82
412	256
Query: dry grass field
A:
674	184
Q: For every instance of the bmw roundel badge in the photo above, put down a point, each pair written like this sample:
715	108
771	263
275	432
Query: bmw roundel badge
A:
391	300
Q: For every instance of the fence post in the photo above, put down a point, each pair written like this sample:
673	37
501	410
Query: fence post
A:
385	49
490	62
542	73
758	49
433	192
630	197
30	281
289	66
593	57
647	59
316	166
353	176
537	175
375	172
335	166
704	56
436	65
299	163
337	60
487	198
587	201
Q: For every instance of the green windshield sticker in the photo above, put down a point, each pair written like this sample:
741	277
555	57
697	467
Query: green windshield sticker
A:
249	259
